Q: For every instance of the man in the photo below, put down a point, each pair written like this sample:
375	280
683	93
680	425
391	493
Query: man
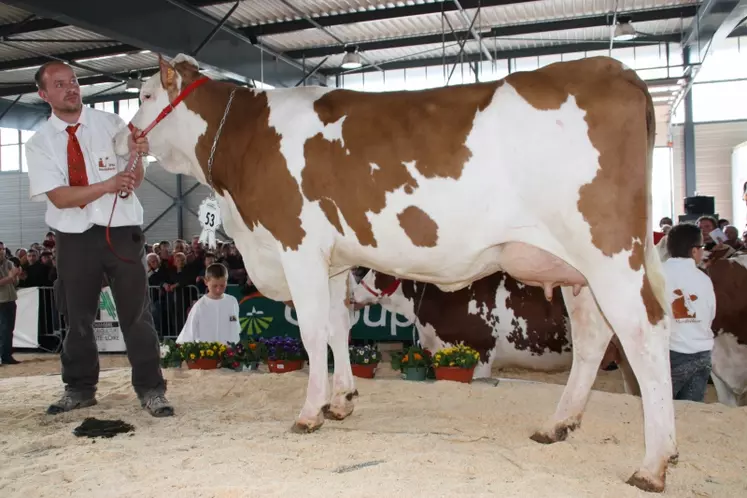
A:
73	167
9	274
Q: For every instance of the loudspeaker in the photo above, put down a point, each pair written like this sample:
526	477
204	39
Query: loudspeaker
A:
701	204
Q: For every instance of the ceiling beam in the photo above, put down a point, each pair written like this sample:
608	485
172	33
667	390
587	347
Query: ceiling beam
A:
503	54
399	11
70	56
10	90
501	31
164	27
30	26
22	116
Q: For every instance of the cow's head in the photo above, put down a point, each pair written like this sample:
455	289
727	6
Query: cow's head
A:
173	140
377	288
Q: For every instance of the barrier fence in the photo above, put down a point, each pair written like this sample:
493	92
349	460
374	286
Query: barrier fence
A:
39	323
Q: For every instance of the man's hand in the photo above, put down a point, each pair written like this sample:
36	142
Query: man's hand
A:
139	146
14	272
123	181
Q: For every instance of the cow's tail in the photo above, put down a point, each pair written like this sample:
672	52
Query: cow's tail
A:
652	261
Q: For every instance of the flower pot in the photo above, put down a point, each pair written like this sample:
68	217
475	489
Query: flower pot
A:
457	374
251	367
283	366
415	373
364	371
203	364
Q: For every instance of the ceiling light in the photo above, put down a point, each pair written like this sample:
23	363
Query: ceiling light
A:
133	83
351	59
625	31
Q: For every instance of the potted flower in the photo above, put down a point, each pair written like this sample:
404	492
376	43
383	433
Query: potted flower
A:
415	363
252	353
364	360
456	363
171	356
202	355
232	357
284	354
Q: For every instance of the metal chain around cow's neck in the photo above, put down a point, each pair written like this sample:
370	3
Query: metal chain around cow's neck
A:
215	141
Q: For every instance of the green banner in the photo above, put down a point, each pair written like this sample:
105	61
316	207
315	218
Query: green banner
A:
262	317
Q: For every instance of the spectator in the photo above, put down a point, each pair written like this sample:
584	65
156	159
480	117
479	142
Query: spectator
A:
732	238
9	274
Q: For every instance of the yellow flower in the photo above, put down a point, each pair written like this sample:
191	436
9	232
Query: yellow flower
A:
202	353
210	352
192	356
451	364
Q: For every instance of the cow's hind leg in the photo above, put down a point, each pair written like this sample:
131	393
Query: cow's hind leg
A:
343	383
627	300
591	334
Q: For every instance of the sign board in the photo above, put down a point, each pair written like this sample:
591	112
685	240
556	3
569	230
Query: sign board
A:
106	327
263	317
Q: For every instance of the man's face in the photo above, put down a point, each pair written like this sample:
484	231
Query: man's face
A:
2	252
731	233
33	257
61	90
706	226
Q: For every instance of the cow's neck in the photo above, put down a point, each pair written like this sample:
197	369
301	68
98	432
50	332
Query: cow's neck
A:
248	113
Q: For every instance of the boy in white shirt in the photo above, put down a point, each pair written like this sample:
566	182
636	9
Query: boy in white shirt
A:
215	316
693	308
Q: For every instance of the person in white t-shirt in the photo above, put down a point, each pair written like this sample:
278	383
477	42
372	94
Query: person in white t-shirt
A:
693	304
73	168
215	316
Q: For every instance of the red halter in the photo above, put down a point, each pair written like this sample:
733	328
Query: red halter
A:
131	164
386	292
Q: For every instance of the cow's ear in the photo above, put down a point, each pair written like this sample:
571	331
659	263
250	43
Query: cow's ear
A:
168	74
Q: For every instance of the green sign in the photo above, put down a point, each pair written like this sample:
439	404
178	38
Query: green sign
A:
262	317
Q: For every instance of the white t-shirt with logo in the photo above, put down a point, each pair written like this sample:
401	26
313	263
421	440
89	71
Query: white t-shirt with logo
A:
46	156
693	303
212	320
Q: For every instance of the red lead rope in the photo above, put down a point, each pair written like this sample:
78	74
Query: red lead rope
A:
130	165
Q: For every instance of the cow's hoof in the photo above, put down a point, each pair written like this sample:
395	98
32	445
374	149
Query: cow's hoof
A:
559	433
645	481
340	408
307	426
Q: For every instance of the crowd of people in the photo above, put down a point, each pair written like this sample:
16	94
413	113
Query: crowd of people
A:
175	272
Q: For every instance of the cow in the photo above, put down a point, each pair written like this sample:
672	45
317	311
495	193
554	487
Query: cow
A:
545	175
508	323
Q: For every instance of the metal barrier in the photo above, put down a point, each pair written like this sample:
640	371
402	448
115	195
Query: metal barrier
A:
169	309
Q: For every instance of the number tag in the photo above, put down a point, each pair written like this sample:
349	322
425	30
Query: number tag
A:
209	215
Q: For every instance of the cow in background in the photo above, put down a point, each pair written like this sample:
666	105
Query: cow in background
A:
508	323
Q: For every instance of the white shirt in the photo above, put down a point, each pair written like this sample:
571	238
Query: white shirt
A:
212	320
693	303
46	156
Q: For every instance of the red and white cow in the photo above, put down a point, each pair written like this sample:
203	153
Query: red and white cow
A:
545	175
510	324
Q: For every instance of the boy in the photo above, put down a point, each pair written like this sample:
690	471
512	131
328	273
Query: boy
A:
693	304
215	316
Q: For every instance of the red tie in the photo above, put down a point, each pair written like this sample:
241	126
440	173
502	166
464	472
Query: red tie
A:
76	165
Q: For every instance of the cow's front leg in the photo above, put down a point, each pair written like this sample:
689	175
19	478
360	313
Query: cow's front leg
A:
343	383
308	282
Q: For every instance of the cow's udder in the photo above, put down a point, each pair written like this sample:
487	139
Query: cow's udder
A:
533	266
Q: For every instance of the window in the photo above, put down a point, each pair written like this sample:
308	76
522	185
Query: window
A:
128	108
10	149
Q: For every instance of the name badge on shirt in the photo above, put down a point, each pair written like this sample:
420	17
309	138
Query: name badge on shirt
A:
232	318
107	164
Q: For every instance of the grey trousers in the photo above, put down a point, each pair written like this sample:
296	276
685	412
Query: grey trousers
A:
690	374
82	261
